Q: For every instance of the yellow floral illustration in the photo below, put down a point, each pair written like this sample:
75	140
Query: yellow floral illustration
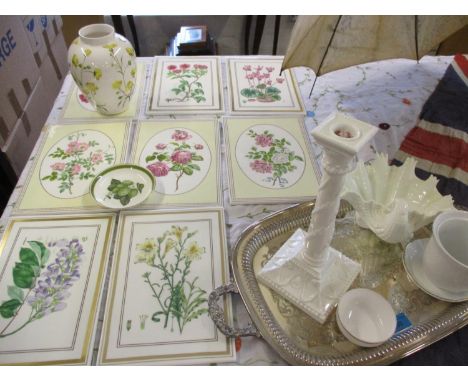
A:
194	251
179	298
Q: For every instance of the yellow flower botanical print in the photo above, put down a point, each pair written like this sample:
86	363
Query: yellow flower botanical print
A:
178	298
146	252
194	251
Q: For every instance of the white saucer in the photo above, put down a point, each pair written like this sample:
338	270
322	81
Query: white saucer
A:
412	261
140	185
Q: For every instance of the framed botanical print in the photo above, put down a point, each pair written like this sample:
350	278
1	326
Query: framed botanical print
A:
183	155
69	158
52	272
186	85
257	86
269	160
165	266
77	106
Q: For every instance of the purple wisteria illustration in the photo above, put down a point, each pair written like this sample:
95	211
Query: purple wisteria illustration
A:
39	286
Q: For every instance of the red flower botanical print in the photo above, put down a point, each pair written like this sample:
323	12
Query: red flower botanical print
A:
189	86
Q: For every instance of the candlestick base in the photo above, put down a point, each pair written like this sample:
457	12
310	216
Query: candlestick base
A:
316	292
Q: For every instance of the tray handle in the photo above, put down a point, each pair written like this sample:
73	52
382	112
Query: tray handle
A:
217	314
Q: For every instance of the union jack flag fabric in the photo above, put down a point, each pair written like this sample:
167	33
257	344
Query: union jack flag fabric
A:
439	141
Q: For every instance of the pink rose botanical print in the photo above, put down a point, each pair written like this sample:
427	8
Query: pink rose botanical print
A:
74	161
188	85
270	156
178	158
262	81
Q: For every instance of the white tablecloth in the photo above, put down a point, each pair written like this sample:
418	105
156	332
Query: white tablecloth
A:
387	93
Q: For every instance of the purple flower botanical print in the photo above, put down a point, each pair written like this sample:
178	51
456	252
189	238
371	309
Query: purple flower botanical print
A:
41	286
271	155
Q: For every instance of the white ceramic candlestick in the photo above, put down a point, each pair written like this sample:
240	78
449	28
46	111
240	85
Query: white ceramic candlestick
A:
306	270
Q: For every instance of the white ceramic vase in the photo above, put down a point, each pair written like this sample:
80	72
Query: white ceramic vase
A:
103	66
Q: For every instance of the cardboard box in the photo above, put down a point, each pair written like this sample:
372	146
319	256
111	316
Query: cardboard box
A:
42	32
26	131
18	73
54	69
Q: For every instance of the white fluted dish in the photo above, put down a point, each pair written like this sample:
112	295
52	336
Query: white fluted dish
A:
392	201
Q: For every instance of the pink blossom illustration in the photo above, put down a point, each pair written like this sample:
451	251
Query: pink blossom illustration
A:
178	156
181	157
78	160
261	166
158	169
263	140
181	135
261	86
277	159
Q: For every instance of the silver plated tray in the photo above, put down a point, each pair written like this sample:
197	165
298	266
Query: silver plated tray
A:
298	338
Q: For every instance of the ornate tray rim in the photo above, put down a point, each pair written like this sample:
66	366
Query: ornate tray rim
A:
399	346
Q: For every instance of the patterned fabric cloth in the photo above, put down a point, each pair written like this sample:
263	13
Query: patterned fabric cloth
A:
439	141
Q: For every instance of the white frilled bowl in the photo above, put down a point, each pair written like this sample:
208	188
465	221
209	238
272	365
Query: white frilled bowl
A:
392	201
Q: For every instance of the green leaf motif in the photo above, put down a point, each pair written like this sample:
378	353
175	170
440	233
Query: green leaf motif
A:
250	93
23	276
27	256
116	85
188	170
15	293
9	308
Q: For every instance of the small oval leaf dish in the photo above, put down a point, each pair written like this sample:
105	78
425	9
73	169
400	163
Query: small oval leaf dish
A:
122	186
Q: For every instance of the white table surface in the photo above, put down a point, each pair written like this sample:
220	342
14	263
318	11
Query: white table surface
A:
391	92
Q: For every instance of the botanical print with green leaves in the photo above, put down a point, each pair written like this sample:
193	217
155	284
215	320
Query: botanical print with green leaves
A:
40	285
177	297
189	86
124	190
271	156
77	161
262	84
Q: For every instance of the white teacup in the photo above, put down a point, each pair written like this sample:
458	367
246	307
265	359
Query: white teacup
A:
445	259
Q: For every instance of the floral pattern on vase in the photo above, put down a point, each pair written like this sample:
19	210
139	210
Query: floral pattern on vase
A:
103	65
270	156
178	158
41	285
71	163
